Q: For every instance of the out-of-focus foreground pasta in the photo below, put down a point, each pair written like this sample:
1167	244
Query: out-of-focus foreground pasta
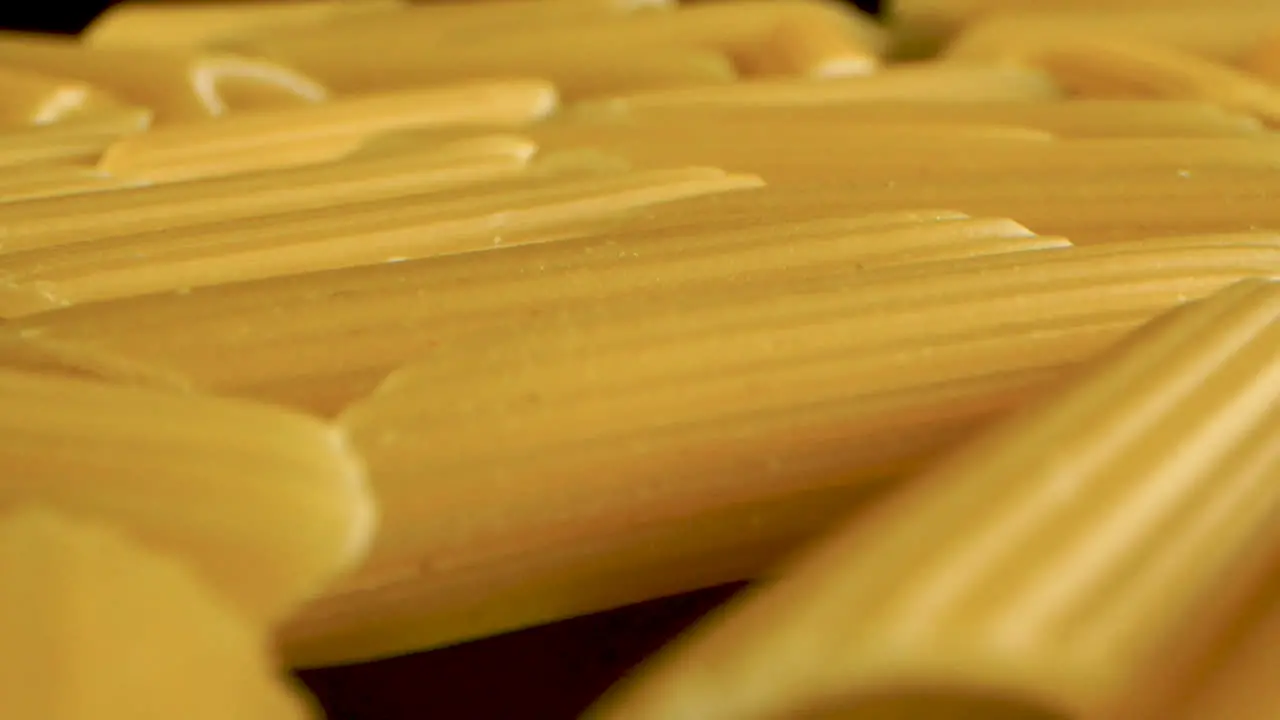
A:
337	330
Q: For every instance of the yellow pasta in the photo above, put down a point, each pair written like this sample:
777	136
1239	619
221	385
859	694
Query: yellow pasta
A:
176	86
203	479
186	26
922	26
389	231
630	440
1104	67
1205	31
1068	119
430	24
80	598
1263	59
1243	686
28	98
177	207
283	138
1076	563
908	156
45	181
919	82
796	37
337	330
685	251
1089	210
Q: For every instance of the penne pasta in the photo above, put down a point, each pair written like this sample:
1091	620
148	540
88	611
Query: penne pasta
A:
923	26
139	24
176	207
81	596
1242	685
436	23
1069	119
28	98
1102	67
1206	31
685	253
1263	59
202	479
1094	547
1089	210
665	429
299	136
175	86
917	82
78	140
389	231
35	182
386	325
798	37
914	154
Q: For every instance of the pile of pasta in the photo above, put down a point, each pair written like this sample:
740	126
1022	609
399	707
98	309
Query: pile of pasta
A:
338	330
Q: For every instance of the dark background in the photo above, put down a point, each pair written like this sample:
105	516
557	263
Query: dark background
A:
546	673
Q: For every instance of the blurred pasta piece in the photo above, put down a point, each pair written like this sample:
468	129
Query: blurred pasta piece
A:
683	47
28	98
177	87
299	136
182	26
203	479
1264	58
1080	561
917	82
177	207
96	625
1243	685
795	147
1122	68
1209	30
921	27
34	182
1145	119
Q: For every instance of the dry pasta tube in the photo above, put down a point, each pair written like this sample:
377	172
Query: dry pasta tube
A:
1087	210
203	338
281	361
513	470
581	65
390	231
1263	59
176	86
184	26
916	82
28	98
204	479
1244	685
497	296
48	223
797	37
1104	67
35	182
1078	562
1066	119
921	27
436	23
1207	31
790	149
95	625
298	136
